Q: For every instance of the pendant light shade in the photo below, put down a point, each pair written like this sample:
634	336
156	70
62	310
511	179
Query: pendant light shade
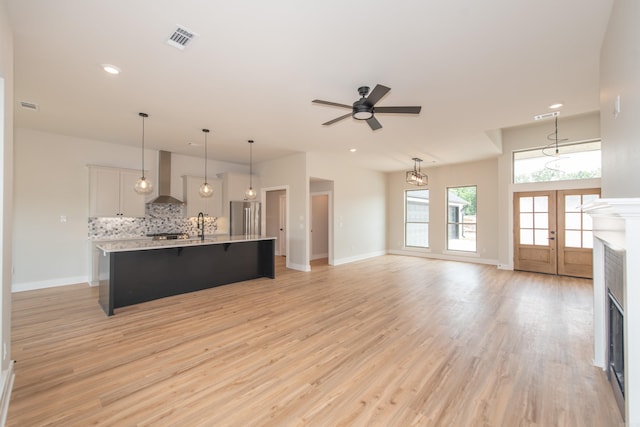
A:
143	186
416	177
250	193
205	189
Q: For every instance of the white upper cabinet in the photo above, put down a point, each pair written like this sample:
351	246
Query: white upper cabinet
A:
111	192
209	206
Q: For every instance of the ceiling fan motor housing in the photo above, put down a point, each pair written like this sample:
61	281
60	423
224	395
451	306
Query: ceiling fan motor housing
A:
362	110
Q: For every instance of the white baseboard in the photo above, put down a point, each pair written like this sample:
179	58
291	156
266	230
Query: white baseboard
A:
52	283
299	267
319	256
446	257
358	257
6	384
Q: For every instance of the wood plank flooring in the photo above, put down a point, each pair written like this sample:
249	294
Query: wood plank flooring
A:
390	341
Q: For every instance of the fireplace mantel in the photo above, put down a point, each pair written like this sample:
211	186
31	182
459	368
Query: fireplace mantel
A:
616	223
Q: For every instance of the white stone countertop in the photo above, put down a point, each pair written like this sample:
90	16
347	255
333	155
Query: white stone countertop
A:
146	244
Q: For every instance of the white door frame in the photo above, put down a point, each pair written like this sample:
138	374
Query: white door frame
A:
263	219
282	225
329	195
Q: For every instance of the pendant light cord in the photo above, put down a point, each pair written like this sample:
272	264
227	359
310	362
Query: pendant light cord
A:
206	131
557	135
251	163
143	115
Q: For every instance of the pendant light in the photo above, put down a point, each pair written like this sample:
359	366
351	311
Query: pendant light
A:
143	186
205	189
250	193
416	177
555	164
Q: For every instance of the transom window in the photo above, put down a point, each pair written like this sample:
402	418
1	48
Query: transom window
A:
569	161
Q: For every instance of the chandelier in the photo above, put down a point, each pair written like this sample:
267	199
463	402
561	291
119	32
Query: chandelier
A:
415	176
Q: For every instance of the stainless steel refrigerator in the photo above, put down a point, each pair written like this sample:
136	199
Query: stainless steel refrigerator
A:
244	218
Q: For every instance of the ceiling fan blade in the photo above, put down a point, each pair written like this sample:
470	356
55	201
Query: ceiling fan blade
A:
330	122
335	104
378	92
374	124
400	110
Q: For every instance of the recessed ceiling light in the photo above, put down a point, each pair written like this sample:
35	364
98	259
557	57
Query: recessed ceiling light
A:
353	150
556	105
193	144
111	69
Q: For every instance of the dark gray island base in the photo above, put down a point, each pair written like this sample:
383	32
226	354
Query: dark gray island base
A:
131	274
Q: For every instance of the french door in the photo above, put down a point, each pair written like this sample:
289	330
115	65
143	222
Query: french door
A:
551	233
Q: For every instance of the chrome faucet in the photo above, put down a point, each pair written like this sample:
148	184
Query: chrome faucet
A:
200	225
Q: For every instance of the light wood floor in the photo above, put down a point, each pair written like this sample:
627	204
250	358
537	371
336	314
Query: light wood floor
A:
390	341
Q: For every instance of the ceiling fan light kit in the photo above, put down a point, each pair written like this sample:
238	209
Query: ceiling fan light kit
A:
364	108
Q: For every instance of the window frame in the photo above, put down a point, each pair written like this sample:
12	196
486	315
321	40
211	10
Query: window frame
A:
459	224
406	193
551	148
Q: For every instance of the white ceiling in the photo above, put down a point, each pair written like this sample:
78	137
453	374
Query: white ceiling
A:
255	67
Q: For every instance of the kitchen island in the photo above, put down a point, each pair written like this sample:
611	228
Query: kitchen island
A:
136	271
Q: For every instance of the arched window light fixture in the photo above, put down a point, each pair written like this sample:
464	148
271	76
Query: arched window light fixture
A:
205	189
143	186
250	193
416	177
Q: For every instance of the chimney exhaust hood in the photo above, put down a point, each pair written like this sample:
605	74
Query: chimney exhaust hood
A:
164	181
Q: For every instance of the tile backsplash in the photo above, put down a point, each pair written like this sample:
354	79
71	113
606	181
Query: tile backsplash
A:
158	219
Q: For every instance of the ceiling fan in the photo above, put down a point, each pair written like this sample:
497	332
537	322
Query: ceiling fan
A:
364	108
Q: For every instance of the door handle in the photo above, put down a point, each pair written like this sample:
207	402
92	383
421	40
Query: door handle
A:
552	238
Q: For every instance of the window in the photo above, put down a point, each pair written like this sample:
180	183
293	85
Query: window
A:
572	161
416	225
578	226
534	220
461	218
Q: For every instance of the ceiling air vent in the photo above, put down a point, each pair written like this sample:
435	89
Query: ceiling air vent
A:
546	115
181	38
29	105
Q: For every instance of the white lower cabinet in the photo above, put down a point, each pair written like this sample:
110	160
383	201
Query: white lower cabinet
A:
111	192
209	206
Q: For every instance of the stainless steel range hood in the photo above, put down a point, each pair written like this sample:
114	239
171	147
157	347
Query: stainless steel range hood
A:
164	181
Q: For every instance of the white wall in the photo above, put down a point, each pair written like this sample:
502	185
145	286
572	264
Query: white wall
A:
6	185
359	208
482	174
575	128
291	171
51	180
620	76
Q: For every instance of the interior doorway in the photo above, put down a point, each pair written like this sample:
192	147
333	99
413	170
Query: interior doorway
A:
275	218
551	233
319	240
